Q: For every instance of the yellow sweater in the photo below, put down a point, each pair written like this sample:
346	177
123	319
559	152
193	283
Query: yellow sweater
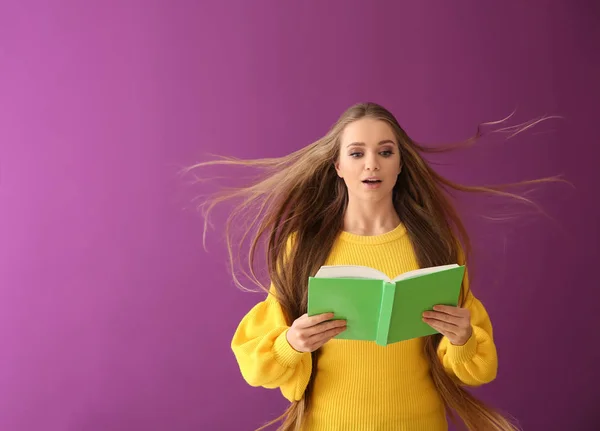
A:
360	385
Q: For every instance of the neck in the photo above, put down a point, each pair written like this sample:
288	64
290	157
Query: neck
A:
370	218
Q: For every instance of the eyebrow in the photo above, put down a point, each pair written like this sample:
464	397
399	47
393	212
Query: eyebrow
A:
362	144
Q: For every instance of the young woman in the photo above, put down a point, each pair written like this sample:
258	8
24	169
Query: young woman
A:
361	195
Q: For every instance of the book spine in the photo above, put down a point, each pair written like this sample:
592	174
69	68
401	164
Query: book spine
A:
385	313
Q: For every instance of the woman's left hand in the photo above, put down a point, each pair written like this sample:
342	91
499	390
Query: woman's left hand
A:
452	322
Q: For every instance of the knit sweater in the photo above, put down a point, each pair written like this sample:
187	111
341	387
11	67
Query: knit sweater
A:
360	385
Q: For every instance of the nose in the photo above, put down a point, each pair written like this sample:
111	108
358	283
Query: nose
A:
371	163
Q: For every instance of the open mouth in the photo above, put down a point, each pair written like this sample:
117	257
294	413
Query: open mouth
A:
371	181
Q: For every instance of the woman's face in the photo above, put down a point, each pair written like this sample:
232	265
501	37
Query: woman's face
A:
369	159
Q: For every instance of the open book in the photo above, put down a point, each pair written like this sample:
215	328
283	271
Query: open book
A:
379	309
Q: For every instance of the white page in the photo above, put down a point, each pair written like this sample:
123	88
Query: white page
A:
423	271
350	271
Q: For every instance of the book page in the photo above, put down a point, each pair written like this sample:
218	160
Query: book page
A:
424	271
415	295
351	271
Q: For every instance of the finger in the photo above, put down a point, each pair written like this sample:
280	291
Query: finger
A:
323	327
443	317
307	321
453	311
318	340
443	327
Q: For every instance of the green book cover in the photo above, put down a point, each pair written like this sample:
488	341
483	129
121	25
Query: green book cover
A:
379	309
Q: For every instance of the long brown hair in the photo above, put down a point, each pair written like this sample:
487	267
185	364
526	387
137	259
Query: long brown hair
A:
300	195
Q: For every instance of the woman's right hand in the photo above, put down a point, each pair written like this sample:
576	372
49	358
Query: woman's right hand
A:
307	334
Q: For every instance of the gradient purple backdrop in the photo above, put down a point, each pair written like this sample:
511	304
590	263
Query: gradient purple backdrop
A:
113	318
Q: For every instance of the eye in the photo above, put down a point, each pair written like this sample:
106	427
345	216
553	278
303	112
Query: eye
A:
386	153
356	154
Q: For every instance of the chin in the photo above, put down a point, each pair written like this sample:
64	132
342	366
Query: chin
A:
375	195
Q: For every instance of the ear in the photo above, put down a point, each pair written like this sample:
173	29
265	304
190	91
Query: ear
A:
336	165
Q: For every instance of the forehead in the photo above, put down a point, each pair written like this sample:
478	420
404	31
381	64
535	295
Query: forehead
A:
367	130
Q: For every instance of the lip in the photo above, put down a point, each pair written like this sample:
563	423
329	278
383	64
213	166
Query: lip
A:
372	186
371	179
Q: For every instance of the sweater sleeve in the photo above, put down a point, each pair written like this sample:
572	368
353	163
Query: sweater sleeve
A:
475	362
264	356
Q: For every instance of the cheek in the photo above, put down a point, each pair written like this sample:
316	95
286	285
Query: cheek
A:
394	164
355	171
347	167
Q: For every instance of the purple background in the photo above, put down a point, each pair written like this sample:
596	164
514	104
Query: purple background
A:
112	317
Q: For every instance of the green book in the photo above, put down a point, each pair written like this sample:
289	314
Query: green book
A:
379	309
